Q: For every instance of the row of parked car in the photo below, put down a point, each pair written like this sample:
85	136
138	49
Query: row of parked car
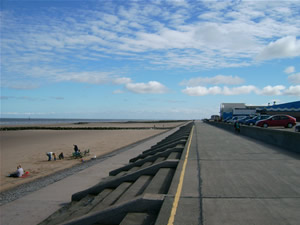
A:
265	121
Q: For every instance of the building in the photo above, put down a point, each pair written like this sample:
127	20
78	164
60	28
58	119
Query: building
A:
291	108
228	110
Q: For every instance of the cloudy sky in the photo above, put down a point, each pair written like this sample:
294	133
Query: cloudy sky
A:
173	59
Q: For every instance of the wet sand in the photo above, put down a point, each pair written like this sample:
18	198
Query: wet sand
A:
29	147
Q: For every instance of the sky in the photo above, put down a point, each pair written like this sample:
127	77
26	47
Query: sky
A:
154	59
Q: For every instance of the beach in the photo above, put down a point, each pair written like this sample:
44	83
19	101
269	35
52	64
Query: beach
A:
28	147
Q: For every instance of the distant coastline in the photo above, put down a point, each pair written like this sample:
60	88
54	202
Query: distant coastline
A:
46	121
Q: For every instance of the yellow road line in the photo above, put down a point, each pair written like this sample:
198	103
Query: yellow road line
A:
179	188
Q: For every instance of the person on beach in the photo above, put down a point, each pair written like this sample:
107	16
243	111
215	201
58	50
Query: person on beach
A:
54	156
61	155
18	173
50	154
76	148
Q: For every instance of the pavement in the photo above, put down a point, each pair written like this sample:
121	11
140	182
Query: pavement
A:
227	179
232	179
37	206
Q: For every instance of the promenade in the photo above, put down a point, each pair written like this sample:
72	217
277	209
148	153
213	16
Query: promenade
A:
210	176
234	180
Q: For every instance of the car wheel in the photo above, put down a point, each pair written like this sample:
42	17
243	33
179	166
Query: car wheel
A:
265	125
251	124
290	125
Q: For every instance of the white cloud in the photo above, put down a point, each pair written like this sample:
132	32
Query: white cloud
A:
84	77
271	90
286	47
201	91
122	80
294	78
152	87
219	79
246	89
19	84
290	69
293	90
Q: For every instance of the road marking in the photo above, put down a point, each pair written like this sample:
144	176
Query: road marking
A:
179	188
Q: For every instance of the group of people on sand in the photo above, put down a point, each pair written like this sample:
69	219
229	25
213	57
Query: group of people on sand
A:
52	154
20	171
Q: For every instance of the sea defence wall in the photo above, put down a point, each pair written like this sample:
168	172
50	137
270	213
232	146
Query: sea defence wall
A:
284	139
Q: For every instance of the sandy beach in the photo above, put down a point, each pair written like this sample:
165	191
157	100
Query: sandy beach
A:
29	147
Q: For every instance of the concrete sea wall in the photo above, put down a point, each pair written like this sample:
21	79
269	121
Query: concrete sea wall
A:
284	139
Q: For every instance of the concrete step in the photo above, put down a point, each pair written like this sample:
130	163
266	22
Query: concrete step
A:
159	159
131	177
114	214
75	209
124	172
135	189
80	211
175	155
139	219
135	168
161	181
112	197
167	142
140	162
150	153
163	147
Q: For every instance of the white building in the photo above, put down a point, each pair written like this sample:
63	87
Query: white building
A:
235	109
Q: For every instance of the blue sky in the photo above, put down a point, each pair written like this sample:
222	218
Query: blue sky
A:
146	59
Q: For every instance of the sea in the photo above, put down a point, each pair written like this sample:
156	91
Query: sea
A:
45	121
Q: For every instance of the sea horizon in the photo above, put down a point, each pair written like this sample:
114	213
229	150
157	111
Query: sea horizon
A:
45	121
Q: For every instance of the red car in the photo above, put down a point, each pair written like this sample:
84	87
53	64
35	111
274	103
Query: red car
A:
276	121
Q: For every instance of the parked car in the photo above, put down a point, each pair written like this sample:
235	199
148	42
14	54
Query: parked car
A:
243	120
277	120
297	128
235	118
252	121
226	119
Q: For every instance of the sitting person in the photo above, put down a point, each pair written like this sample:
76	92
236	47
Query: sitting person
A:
76	148
18	173
86	152
61	156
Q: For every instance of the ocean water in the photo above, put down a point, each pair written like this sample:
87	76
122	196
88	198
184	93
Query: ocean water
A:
29	121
